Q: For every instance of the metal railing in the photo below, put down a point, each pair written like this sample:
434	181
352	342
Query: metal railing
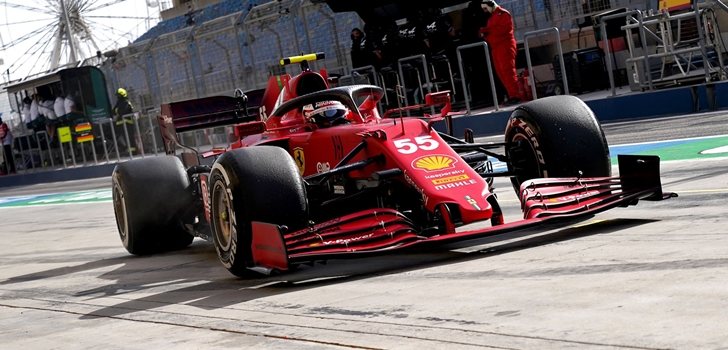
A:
560	52
605	41
425	69
671	52
466	94
108	141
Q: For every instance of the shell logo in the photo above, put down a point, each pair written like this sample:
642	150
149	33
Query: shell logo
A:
434	162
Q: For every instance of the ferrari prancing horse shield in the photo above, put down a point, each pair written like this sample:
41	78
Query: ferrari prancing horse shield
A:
300	159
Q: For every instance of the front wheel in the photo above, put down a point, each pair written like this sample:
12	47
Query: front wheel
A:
556	136
260	183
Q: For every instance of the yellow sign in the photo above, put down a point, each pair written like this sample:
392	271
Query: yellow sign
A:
674	5
300	159
64	134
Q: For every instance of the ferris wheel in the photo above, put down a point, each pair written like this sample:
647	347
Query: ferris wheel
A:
43	35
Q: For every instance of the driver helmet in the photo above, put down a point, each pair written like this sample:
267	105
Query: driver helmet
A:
326	113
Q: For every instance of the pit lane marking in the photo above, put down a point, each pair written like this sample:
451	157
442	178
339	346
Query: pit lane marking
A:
703	147
723	149
78	197
716	190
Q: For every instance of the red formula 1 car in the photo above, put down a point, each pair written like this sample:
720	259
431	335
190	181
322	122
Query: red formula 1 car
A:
323	175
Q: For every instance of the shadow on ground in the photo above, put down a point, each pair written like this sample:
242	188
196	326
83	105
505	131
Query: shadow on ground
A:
194	276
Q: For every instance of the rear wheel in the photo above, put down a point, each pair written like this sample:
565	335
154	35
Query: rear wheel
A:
260	183
556	136
150	196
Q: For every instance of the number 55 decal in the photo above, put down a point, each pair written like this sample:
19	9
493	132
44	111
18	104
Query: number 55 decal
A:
425	143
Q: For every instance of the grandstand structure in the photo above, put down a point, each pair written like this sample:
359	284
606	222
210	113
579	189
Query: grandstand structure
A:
236	43
230	44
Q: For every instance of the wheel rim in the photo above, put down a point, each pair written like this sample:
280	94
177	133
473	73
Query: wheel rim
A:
120	211
222	216
524	159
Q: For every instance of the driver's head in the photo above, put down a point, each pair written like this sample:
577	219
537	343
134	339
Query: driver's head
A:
326	113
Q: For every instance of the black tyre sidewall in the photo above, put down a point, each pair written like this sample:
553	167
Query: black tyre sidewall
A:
263	184
156	191
235	255
564	137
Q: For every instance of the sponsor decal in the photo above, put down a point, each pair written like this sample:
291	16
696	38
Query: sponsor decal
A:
444	174
349	240
571	198
300	159
472	202
455	184
417	188
450	179
434	162
205	197
263	113
322	167
531	135
226	250
320	107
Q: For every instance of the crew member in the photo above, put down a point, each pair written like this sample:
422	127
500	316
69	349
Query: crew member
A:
498	33
122	115
58	106
122	107
6	138
360	49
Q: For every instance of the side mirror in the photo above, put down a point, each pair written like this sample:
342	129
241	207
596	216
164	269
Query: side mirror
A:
437	98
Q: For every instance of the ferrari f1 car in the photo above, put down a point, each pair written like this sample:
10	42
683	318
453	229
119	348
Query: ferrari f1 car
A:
316	172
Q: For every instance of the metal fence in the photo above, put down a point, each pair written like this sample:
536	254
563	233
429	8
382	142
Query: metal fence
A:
104	141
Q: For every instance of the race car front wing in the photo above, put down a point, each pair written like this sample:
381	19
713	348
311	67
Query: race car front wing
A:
378	231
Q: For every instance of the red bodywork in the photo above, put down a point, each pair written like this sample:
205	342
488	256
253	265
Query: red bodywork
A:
421	160
410	144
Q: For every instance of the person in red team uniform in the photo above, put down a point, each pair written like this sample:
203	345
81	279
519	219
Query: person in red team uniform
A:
498	33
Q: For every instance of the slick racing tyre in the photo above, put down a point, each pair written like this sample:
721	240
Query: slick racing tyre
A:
149	198
260	183
555	136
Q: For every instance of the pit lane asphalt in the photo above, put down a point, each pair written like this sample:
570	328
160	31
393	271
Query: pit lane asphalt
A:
652	276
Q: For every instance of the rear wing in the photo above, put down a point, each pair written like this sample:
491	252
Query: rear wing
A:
207	112
212	111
